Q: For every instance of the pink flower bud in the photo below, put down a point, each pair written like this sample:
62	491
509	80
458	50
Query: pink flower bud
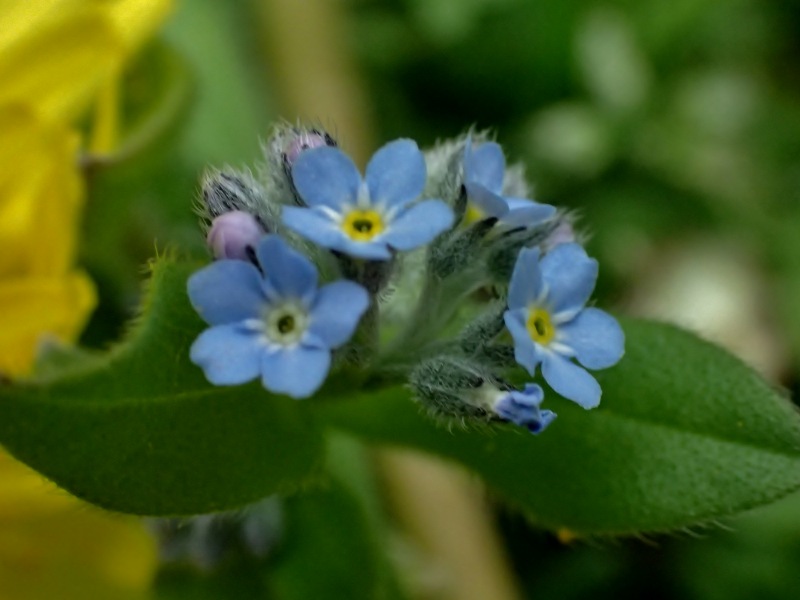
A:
564	233
305	140
232	233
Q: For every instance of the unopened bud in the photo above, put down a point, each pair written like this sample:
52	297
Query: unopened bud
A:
457	388
481	331
226	191
459	249
281	150
234	234
454	387
303	139
444	163
504	248
563	233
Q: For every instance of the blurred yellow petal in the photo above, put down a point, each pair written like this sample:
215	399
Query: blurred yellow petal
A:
40	199
137	20
54	546
40	195
58	66
33	308
55	53
105	125
25	494
19	17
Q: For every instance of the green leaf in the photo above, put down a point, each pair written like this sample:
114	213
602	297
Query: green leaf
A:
685	433
143	432
757	560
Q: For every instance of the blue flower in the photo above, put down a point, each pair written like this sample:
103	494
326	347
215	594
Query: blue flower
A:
484	170
365	218
522	408
278	325
550	325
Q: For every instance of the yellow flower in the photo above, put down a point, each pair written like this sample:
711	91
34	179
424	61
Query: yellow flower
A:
54	54
52	546
55	57
40	200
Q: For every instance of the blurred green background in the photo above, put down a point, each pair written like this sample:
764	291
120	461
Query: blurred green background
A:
672	128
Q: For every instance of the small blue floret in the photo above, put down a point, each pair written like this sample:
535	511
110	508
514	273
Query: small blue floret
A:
366	218
484	171
522	408
277	325
551	326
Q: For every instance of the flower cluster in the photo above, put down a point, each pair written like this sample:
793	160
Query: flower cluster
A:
419	243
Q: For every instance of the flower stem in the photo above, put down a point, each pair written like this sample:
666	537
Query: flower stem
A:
438	304
365	341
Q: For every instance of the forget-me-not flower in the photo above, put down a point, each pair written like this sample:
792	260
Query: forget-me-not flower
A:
550	324
371	217
277	325
522	408
484	170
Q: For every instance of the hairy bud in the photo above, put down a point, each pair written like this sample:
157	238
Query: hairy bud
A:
284	146
234	234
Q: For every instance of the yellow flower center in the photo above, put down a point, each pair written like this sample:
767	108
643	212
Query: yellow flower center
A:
362	225
473	214
540	326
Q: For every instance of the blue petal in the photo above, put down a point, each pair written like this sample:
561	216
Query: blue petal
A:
226	291
525	351
336	311
570	380
515	203
485	165
532	393
545	418
526	280
326	176
228	354
317	226
570	276
596	338
287	271
313	224
531	396
296	371
522	408
419	225
376	250
489	203
523	213
396	174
